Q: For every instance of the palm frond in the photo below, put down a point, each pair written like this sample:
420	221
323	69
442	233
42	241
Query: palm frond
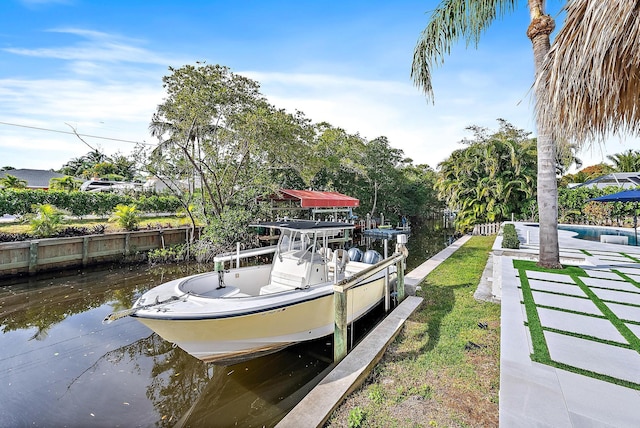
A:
588	87
451	21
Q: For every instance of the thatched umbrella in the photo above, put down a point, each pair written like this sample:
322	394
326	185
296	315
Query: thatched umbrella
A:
589	87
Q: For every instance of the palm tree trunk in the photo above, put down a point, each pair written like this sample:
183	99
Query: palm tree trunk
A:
538	32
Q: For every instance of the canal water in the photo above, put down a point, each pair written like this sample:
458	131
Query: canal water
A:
60	366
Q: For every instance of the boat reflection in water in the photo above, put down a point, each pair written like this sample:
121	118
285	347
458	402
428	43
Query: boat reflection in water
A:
60	366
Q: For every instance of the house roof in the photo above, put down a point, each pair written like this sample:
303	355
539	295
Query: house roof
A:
619	179
35	178
317	199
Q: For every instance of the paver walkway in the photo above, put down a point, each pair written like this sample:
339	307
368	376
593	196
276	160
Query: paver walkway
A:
570	345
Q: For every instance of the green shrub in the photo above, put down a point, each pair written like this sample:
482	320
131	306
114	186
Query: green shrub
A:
173	254
510	237
356	417
20	201
126	216
46	221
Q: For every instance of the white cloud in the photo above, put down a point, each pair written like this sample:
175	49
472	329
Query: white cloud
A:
96	47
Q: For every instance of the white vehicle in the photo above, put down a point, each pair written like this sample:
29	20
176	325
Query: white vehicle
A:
106	186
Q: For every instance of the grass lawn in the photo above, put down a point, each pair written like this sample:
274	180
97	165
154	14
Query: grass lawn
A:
145	222
443	369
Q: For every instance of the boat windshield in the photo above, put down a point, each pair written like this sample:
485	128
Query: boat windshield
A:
292	240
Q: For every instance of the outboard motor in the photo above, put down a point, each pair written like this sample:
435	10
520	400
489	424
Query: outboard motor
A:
355	254
371	257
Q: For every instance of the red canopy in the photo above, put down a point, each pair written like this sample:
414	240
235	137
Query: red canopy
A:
314	199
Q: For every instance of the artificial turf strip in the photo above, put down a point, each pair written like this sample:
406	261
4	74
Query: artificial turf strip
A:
540	348
541	352
635	259
626	277
532	266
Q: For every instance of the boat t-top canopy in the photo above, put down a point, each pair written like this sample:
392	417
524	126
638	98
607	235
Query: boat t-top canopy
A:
317	199
305	225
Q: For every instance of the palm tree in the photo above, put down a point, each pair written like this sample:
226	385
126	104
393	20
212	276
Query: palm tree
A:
455	19
12	182
628	161
67	183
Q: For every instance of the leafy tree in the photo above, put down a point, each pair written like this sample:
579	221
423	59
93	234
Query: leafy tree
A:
493	177
219	134
585	174
12	182
381	164
455	19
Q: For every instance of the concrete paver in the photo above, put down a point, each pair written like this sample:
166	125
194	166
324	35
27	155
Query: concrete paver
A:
609	284
620	363
554	287
570	303
555	277
581	324
625	312
603	274
617	295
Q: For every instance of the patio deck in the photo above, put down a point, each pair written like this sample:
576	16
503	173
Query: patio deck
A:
570	347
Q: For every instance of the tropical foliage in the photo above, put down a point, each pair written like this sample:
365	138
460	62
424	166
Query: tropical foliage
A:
97	164
574	207
12	182
628	161
67	183
126	216
490	179
46	221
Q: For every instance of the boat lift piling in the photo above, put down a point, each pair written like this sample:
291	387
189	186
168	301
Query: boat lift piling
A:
340	294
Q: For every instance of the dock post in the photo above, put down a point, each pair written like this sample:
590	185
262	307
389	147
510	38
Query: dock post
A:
401	242
400	280
33	257
340	327
387	288
85	251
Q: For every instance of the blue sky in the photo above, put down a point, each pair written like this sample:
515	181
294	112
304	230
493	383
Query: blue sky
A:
97	67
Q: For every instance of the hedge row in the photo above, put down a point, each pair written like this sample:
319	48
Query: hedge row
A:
21	201
510	237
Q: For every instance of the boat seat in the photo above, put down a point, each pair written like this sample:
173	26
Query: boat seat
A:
326	252
227	291
341	258
282	281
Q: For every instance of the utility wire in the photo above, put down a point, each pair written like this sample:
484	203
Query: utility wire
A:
73	133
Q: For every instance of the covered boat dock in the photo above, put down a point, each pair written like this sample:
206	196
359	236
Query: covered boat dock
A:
334	204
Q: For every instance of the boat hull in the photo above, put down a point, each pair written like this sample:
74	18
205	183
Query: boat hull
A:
302	315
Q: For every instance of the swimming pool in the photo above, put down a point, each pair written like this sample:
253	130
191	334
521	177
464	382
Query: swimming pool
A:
592	233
